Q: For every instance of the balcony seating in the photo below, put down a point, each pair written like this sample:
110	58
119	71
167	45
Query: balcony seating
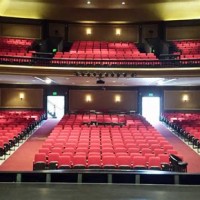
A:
16	47
189	49
103	53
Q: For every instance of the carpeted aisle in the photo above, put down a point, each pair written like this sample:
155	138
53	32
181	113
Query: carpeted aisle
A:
188	154
22	159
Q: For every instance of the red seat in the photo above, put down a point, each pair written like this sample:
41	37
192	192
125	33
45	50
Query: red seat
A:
154	163
53	160
109	162
94	161
79	161
139	162
64	162
124	162
39	162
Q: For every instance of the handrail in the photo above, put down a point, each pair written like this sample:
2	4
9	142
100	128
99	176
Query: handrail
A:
114	63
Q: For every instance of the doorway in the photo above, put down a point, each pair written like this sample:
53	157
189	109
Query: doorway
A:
151	108
55	106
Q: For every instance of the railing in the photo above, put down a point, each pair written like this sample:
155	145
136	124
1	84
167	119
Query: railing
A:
162	63
102	176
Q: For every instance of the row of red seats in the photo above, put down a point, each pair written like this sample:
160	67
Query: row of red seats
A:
15	47
111	56
107	141
72	120
103	44
14	130
56	161
23	42
186	125
188	47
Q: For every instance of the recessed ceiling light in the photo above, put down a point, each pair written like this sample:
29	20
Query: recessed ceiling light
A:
48	81
88	2
87	81
123	2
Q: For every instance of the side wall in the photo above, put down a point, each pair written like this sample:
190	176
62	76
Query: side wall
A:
101	100
10	98
173	100
20	30
182	32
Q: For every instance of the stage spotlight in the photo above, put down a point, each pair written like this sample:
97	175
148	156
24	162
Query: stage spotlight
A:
118	75
106	74
82	74
100	75
133	75
94	74
88	74
112	74
125	75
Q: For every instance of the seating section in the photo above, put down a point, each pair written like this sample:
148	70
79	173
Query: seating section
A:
15	47
187	126
189	49
108	53
74	144
15	126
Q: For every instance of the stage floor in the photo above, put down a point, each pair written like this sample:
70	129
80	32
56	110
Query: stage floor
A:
35	191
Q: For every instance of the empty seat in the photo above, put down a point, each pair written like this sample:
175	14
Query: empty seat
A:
79	161
64	162
124	162
53	160
154	163
39	162
109	162
94	162
139	162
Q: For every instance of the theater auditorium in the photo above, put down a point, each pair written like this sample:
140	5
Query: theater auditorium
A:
99	99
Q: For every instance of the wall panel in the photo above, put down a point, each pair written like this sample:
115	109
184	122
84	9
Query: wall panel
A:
102	100
103	32
21	30
173	100
33	98
182	32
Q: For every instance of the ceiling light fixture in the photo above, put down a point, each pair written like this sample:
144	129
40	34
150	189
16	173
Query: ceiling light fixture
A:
123	2
48	81
88	2
44	80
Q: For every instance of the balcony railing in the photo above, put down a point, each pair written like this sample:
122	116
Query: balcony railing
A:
39	61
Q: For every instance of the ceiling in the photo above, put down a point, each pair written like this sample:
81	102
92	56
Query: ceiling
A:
103	11
91	81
